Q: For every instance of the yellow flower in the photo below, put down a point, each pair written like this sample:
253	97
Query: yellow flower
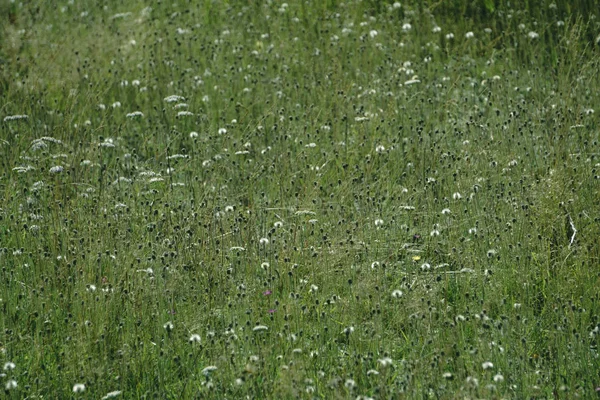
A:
416	258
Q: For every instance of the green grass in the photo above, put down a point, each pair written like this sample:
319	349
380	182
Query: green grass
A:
355	205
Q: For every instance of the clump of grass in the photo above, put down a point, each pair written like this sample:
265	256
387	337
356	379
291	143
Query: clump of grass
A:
359	199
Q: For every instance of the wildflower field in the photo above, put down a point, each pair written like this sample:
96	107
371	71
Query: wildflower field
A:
306	200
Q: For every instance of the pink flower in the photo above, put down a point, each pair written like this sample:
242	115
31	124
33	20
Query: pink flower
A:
267	292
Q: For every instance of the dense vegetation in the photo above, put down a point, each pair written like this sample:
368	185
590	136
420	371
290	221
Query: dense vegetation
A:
355	199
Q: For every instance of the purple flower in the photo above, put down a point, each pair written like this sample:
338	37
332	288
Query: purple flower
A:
267	292
271	311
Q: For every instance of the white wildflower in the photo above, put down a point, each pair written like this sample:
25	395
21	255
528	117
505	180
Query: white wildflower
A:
9	366
384	362
260	328
15	117
209	369
174	98
78	388
487	365
111	395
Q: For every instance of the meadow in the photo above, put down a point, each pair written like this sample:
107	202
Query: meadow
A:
301	200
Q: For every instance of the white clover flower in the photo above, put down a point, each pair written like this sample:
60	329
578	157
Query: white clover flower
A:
375	265
457	196
11	384
487	365
263	241
406	27
446	211
78	388
396	5
222	131
168	326
372	372
498	378
533	35
449	36
380	149
378	222
348	330
57	169
436	29
193	135
469	35
278	224
447	375
313	288
434	233
397	293
350	384
116	104
425	267
373	33
184	114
